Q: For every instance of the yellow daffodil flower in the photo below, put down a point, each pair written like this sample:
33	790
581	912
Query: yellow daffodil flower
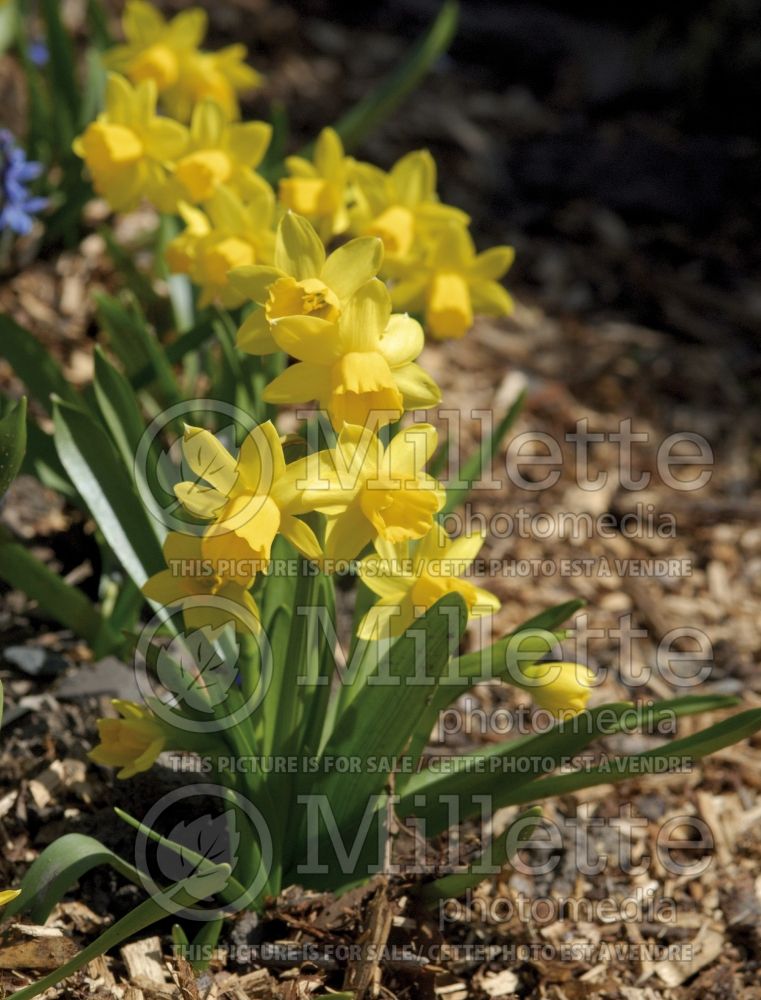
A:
219	152
360	369
302	282
454	282
401	206
407	585
317	190
249	500
129	149
131	743
368	491
8	895
167	52
228	234
220	75
557	687
191	575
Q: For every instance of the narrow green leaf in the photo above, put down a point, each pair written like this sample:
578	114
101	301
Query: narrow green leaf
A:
95	468
656	761
117	403
172	900
67	605
369	113
62	71
478	465
58	869
12	444
33	364
499	853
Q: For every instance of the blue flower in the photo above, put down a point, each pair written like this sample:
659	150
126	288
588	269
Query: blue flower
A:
17	206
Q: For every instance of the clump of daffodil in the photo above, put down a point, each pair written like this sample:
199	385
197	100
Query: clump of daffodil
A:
453	282
361	368
409	580
303	281
168	54
7	895
559	688
129	149
227	234
317	189
368	491
249	500
401	207
132	742
191	576
220	152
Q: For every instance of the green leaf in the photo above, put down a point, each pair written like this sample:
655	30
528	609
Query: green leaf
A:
58	869
33	364
502	771
12	444
95	468
369	113
62	72
173	900
67	605
117	403
500	852
374	728
656	761
478	465
136	346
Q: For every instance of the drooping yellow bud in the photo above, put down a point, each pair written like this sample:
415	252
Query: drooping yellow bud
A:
132	742
558	687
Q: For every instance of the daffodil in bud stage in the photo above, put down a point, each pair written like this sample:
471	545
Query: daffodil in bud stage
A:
409	580
454	282
129	149
226	235
133	742
249	500
220	152
8	895
360	369
168	54
317	189
303	281
368	491
191	576
401	206
557	687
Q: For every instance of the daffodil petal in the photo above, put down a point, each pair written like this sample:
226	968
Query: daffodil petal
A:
492	263
402	340
301	536
417	387
164	588
254	280
365	317
414	177
298	384
410	450
261	461
299	251
209	459
248	142
491	299
254	336
200	500
347	534
307	338
352	264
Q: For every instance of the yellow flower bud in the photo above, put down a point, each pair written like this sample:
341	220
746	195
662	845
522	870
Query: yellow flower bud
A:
558	687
